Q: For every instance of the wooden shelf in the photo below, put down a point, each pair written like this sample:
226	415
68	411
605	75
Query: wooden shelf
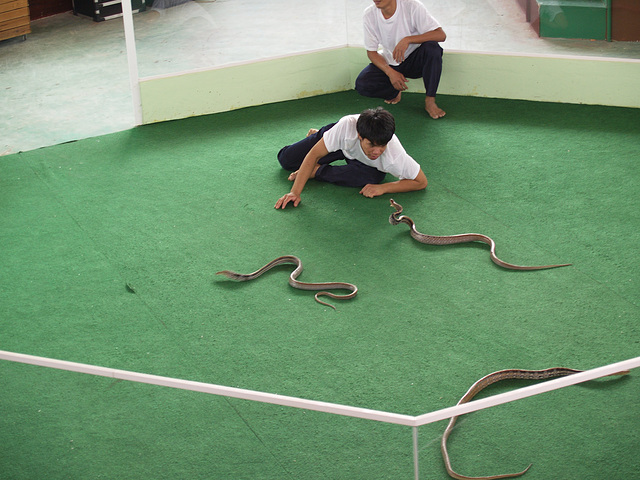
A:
14	18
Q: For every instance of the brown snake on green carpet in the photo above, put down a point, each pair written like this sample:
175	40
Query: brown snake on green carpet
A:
489	380
295	283
396	218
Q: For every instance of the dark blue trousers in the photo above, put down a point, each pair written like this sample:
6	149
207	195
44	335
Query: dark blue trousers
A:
425	62
353	174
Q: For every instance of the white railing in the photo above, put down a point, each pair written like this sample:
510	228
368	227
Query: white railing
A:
333	408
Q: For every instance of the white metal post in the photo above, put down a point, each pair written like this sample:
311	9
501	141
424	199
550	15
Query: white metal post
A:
416	465
132	59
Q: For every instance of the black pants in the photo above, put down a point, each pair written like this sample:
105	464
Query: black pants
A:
353	174
425	62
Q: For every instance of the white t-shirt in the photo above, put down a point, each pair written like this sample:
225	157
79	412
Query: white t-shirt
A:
394	160
410	18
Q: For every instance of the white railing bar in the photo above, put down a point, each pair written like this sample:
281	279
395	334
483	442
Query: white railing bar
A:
212	389
326	407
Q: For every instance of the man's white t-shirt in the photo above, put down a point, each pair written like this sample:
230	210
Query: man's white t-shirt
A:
410	18
394	160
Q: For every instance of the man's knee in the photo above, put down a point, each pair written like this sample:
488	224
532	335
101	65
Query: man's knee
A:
431	49
285	160
370	80
377	177
362	84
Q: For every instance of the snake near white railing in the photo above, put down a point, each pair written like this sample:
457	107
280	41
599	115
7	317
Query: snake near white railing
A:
484	382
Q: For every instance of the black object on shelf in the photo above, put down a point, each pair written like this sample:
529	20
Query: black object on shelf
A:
104	10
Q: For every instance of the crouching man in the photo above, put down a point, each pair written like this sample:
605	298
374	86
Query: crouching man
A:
368	144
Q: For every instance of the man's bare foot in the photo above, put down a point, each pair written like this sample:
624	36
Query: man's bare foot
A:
393	101
312	131
293	175
432	108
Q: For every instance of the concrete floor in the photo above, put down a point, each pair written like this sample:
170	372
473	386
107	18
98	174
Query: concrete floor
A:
69	80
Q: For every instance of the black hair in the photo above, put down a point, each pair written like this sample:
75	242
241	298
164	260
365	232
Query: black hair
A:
376	125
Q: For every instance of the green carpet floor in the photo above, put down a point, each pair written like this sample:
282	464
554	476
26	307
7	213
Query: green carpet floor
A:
109	248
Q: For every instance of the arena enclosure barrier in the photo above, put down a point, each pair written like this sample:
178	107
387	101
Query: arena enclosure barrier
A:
332	408
518	76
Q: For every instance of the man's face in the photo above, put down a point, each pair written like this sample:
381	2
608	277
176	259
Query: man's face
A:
370	150
383	3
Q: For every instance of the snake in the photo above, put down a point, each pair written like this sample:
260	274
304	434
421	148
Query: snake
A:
395	218
483	383
291	259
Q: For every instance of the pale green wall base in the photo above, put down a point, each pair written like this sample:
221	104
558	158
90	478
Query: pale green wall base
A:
588	80
244	85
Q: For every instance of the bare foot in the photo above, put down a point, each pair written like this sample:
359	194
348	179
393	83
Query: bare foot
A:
393	101
293	175
432	109
312	131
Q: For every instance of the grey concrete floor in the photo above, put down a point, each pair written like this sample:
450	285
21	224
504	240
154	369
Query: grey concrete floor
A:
69	79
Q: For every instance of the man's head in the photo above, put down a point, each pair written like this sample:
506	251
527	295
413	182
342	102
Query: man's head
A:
375	129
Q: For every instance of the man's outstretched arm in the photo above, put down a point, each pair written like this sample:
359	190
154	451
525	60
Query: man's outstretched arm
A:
406	185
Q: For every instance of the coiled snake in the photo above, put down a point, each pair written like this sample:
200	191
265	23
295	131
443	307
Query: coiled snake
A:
396	218
295	283
489	380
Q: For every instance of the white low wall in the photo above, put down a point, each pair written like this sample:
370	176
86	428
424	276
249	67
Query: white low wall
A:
564	79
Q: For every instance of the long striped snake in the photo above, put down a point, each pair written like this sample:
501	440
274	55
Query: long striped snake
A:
294	282
396	218
484	382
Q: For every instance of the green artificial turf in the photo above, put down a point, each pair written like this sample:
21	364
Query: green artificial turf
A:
109	248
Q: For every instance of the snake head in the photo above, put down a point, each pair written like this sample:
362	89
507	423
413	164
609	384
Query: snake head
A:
394	218
395	205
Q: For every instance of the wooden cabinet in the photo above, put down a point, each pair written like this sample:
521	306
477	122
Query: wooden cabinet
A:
14	18
625	20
